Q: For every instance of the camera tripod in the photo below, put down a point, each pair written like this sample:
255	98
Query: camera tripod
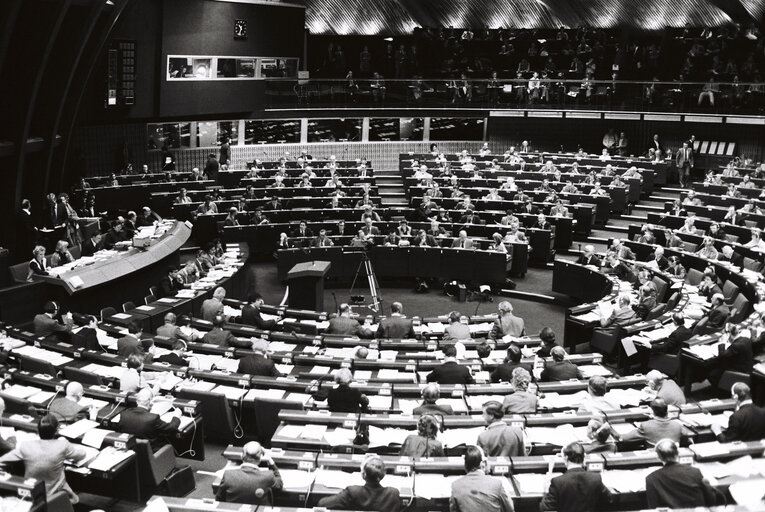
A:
365	265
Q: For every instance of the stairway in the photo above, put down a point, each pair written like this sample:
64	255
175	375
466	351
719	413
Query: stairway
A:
390	188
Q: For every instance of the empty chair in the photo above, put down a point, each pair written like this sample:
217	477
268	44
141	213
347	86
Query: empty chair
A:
149	299
689	247
694	277
667	364
729	377
154	290
752	264
673	300
213	406
107	312
127	306
82	376
730	291
36	366
742	307
656	312
661	288
153	468
701	326
606	341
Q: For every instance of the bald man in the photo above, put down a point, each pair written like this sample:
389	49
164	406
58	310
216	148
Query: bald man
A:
249	483
68	409
144	424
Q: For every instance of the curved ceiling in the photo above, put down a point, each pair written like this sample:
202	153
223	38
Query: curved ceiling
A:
398	17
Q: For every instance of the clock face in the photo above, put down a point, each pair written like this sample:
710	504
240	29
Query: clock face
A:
240	28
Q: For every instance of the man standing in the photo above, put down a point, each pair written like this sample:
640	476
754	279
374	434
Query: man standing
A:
676	485
476	491
249	483
577	490
684	161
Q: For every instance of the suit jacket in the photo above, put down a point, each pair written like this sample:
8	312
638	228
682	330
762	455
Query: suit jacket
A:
671	393
345	399
451	373
520	402
147	425
44	460
672	344
718	316
533	210
128	345
478	492
576	490
224	338
678	486
67	411
500	439
171	331
737	357
656	429
172	358
251	316
592	260
457	331
364	497
746	424
346	326
45	325
211	308
446	410
504	371
468	243
561	370
683	159
507	325
248	484
168	286
257	364
416	445
396	327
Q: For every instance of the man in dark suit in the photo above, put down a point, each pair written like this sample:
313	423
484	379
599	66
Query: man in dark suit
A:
258	363
223	338
671	345
542	223
249	483
528	208
251	314
131	343
343	324
730	256
738	356
175	356
213	306
430	394
169	284
211	168
577	490
45	323
370	229
450	372
92	245
560	369
504	371
170	329
67	409
371	495
397	325
659	259
677	485
302	231
747	423
684	161
588	257
147	425
27	229
462	241
476	490
719	313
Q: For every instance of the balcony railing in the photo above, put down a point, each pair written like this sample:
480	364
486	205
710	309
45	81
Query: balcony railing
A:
704	97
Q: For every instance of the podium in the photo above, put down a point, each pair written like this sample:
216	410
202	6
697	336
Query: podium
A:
306	283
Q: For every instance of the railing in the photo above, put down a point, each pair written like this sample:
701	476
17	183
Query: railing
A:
525	93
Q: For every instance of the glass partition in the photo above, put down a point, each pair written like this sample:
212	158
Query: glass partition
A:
169	135
448	128
271	131
334	130
198	67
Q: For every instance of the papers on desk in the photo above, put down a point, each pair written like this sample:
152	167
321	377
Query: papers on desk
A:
743	467
301	398
458	436
589	317
704	419
94	437
362	375
48	356
185	421
624	481
113	372
78	428
231	392
336	479
290	431
556	436
319	370
280	346
41	397
121	316
387	436
379	402
562	401
161	406
704	352
108	458
394	375
709	449
90	454
264	394
477	401
300	481
185	294
626	397
748	492
533	483
436	327
313	432
590	370
432	485
14	504
13	343
483	327
340	436
19	391
201	385
229	312
388	355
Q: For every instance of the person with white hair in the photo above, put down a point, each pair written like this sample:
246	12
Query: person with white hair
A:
507	324
430	395
144	424
214	306
588	256
477	491
61	256
249	483
622	315
258	363
462	241
344	398
520	401
677	485
747	423
67	409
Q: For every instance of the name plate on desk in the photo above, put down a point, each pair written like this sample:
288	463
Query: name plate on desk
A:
458	393
595	466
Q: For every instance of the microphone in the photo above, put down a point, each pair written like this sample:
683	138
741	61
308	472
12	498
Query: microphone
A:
362	430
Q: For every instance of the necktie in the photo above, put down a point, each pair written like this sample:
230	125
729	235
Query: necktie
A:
462	244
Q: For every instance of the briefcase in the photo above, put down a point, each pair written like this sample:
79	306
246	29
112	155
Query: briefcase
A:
178	483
